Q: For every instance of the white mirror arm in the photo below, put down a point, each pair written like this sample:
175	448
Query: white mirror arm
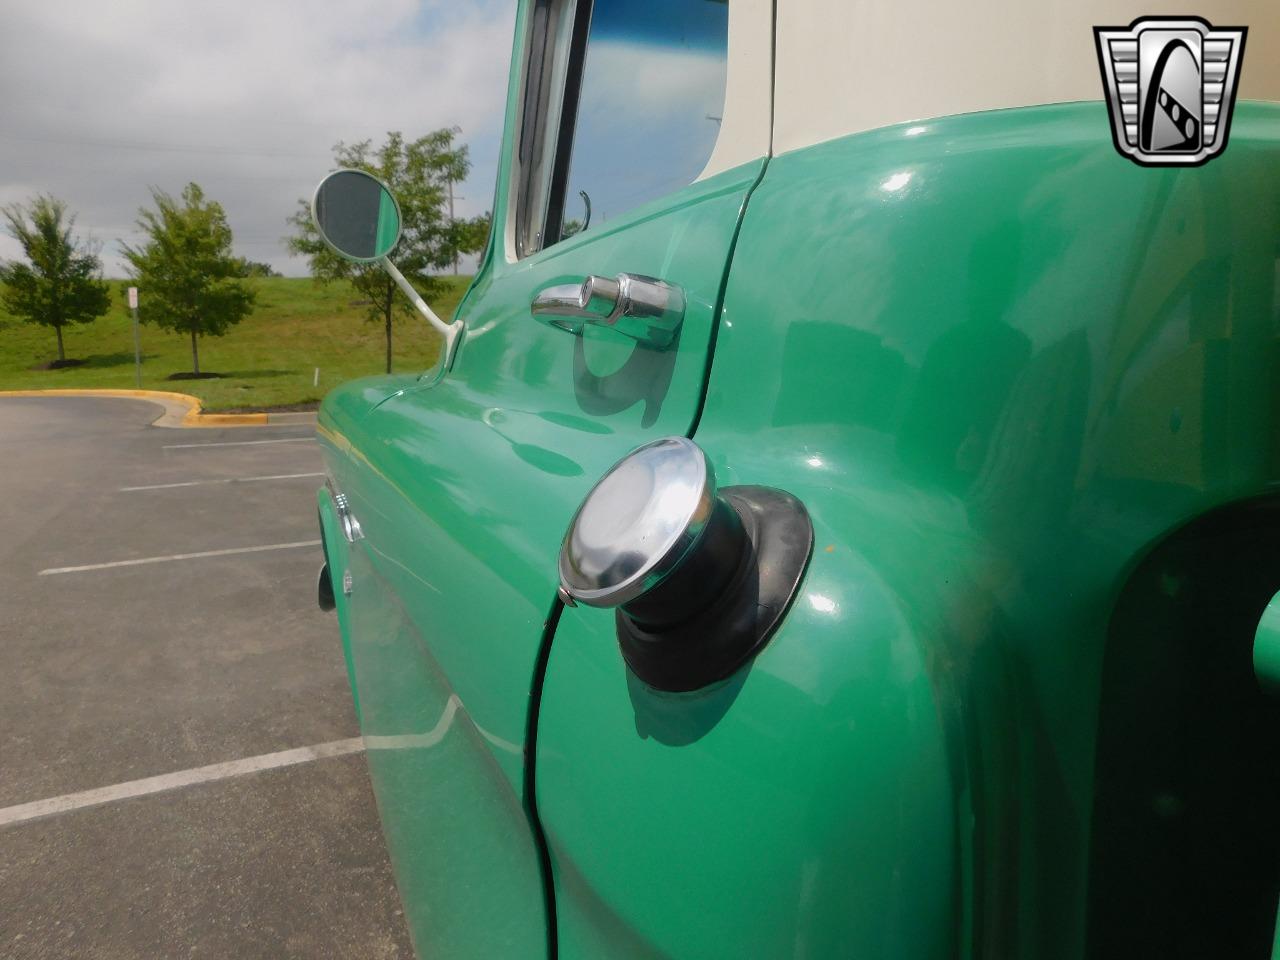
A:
449	331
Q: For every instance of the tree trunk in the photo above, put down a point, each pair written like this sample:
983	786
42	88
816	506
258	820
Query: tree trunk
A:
390	294
195	355
61	354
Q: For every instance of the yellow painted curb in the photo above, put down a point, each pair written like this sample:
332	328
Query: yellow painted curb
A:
181	409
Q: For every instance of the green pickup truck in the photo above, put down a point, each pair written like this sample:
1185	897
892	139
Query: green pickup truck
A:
841	517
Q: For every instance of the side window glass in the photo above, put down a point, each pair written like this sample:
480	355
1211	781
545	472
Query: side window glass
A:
640	87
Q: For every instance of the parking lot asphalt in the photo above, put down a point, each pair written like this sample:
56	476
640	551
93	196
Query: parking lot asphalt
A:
114	671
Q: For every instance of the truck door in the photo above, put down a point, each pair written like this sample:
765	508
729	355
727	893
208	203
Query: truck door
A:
624	160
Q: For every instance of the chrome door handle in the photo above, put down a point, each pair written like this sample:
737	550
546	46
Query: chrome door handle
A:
351	531
641	308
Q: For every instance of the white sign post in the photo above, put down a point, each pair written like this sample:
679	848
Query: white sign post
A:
137	346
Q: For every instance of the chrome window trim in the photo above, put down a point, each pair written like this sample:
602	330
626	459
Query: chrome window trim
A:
555	47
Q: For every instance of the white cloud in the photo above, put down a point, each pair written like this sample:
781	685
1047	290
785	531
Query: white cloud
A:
104	100
656	83
647	123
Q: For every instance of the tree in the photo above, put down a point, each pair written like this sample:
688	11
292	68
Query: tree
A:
470	235
63	283
253	269
418	173
189	279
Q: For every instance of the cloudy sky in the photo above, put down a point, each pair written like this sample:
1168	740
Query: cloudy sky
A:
102	100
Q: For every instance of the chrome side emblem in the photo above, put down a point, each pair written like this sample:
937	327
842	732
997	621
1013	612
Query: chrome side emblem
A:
1170	84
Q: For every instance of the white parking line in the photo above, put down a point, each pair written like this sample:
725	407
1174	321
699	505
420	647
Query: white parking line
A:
179	556
201	483
172	781
237	443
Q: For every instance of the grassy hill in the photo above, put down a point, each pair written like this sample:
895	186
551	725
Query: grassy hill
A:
267	360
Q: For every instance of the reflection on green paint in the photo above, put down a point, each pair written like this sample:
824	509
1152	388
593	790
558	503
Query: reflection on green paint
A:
1266	647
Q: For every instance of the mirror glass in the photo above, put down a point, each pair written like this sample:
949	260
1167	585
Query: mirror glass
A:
356	215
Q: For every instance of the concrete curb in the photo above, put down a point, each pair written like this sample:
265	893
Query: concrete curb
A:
180	409
292	416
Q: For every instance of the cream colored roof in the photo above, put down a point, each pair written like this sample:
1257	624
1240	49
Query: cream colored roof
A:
844	66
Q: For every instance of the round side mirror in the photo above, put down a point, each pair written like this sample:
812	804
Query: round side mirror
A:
356	215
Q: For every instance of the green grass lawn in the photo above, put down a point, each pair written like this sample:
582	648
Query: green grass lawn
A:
268	359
